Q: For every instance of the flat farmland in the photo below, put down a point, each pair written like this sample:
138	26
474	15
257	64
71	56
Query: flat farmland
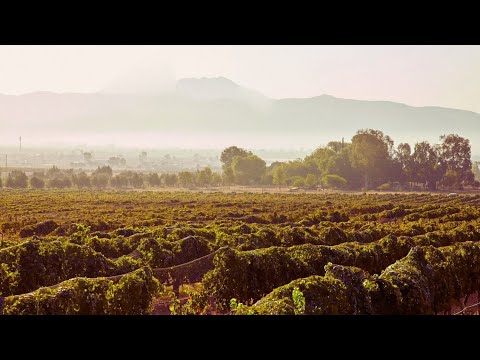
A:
123	252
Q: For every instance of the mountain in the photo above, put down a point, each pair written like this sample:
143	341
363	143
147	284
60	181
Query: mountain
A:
216	88
220	106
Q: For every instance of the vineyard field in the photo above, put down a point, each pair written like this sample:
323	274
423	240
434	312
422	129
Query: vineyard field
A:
153	252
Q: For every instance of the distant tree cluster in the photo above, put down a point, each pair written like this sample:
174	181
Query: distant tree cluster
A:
369	161
103	177
242	167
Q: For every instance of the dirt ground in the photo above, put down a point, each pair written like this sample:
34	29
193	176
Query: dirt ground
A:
285	190
470	306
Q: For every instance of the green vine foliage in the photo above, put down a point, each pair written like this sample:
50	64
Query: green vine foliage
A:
277	243
428	280
35	263
249	275
298	301
132	293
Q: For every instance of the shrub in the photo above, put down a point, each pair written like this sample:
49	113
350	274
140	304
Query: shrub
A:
16	179
332	181
385	187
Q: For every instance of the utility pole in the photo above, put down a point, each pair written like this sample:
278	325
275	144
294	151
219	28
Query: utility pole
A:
20	139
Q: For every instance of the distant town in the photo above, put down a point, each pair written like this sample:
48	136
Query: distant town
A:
119	159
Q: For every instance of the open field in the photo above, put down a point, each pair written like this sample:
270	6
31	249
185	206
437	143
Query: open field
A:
141	252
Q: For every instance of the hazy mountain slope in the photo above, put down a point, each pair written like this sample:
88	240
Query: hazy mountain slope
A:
220	105
331	113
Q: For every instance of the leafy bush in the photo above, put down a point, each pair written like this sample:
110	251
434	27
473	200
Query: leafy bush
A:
332	181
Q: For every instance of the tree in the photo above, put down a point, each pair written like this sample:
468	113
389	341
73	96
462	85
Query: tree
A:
450	178
204	177
60	182
37	183
332	181
300	168
341	164
455	152
228	176
428	168
321	157
226	157
116	161
476	170
136	180
370	155
186	178
310	180
170	179
81	180
267	179
154	179
54	172
296	181
403	156
336	146
216	179
87	156
279	176
100	180
143	156
231	152
387	140
17	179
119	181
248	170
105	170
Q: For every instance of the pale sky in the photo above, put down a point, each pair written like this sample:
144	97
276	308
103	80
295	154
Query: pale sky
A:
447	76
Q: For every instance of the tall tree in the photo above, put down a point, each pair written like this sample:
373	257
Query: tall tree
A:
204	177
87	156
341	164
227	157
231	152
387	140
369	155
186	178
321	156
279	176
455	151
336	146
476	170
17	179
427	166
403	155
248	170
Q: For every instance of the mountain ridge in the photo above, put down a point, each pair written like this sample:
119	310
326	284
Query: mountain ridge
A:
223	80
225	108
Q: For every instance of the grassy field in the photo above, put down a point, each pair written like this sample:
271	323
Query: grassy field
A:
127	252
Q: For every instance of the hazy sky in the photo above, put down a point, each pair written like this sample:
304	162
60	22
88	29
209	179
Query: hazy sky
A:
446	76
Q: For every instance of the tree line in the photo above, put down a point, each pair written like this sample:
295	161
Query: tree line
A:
103	177
369	161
